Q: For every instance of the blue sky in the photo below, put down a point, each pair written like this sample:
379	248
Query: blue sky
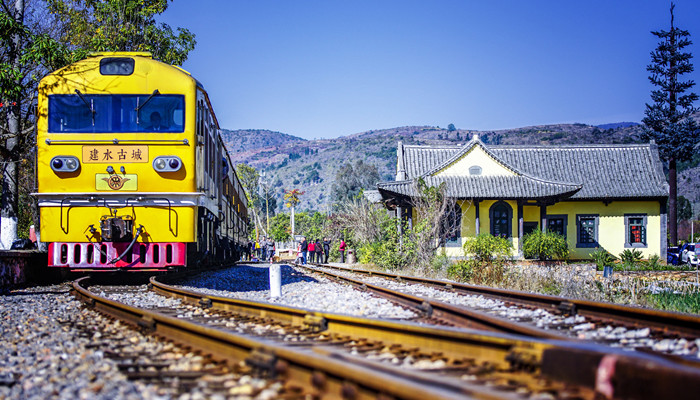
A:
327	68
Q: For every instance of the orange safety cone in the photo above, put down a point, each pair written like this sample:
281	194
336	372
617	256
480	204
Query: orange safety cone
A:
32	234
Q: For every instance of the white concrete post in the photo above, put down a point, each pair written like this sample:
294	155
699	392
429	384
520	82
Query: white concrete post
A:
275	281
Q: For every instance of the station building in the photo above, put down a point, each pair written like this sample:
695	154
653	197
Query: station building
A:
608	196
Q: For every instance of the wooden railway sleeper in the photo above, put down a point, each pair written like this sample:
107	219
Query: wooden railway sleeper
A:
205	302
426	309
567	308
315	323
263	362
147	323
524	358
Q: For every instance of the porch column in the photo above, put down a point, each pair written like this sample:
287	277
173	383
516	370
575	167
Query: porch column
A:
521	225
664	229
543	217
476	208
399	227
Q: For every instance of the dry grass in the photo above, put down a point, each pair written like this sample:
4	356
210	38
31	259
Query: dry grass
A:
582	281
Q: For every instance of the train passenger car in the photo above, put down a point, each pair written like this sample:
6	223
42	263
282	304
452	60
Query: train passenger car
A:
132	173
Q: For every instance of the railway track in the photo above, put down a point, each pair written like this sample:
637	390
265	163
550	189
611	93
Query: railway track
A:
441	362
321	372
653	324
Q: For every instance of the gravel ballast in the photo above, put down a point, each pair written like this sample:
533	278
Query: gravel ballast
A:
251	282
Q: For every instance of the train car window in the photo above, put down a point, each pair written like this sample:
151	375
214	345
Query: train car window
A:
85	113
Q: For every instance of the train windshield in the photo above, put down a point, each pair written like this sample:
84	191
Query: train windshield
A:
87	113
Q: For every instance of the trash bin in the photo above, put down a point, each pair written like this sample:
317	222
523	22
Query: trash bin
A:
607	272
351	256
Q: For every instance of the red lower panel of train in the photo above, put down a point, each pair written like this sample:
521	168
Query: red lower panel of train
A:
113	255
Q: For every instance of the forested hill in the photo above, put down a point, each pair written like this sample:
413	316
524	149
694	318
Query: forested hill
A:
311	165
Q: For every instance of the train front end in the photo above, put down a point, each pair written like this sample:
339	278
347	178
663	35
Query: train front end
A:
116	164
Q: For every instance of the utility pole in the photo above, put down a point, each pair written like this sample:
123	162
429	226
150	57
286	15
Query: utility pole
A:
263	181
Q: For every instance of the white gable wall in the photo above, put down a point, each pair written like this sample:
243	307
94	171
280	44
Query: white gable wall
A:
475	157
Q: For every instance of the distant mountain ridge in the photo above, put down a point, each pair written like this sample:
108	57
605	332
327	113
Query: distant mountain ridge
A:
311	165
618	125
252	139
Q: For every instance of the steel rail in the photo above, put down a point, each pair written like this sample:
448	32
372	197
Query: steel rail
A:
320	376
459	316
665	321
461	343
585	364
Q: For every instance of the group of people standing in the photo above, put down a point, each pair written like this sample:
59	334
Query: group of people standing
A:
318	251
263	249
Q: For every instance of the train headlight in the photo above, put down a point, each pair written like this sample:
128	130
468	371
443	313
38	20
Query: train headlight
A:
65	164
167	164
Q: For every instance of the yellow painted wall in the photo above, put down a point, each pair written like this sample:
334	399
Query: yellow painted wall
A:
611	224
475	157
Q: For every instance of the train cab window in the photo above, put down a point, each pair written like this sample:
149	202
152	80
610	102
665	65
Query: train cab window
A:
76	113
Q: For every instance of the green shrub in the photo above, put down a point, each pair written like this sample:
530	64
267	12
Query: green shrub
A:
654	263
488	248
631	258
462	270
440	262
489	255
545	245
602	258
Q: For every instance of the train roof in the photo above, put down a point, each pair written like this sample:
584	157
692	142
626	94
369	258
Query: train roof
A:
141	74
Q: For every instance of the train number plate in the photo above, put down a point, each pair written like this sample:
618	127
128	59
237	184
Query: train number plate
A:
125	182
115	153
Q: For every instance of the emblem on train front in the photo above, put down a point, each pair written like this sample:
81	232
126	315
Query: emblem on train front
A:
115	182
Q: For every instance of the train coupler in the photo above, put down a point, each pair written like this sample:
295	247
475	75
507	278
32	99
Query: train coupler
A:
117	228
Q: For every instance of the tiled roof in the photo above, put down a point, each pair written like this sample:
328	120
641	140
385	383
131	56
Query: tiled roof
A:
606	171
372	196
602	171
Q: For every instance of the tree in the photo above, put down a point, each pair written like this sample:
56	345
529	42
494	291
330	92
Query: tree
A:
279	228
451	128
351	179
685	209
122	25
250	180
668	120
29	53
292	199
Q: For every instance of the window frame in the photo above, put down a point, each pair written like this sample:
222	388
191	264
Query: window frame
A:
629	245
55	100
509	211
596	219
565	217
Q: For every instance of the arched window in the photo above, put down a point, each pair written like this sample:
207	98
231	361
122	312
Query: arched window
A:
501	215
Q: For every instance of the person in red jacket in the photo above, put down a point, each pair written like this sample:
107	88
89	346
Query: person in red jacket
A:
342	251
312	251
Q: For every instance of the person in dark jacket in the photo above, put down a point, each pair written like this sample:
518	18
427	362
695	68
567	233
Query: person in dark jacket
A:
326	249
303	248
263	249
319	251
312	251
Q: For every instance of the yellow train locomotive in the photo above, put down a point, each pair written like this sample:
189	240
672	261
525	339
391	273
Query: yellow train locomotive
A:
132	173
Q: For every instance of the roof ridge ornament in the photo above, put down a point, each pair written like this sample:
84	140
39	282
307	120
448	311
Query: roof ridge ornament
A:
476	137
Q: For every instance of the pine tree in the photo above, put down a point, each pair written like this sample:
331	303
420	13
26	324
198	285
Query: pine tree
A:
668	120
